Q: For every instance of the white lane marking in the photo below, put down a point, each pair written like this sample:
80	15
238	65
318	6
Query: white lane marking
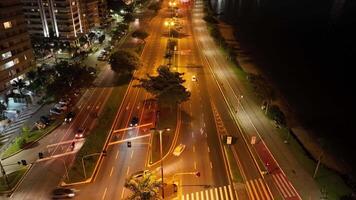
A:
193	148
221	193
211	165
132	153
192	134
117	154
201	131
128	169
122	193
204	125
103	197
195	165
112	169
208	149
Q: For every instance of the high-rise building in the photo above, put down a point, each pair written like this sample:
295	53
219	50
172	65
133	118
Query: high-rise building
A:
65	19
16	53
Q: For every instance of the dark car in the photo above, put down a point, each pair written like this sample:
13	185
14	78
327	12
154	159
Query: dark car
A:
60	193
80	133
45	119
69	117
134	121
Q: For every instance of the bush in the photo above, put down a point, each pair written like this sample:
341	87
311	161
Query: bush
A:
277	115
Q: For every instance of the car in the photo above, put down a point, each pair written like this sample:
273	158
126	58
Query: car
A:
134	121
69	117
59	193
179	149
45	120
102	58
140	174
64	101
194	78
55	111
61	106
80	133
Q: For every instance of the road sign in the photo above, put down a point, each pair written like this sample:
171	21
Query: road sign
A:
228	139
253	140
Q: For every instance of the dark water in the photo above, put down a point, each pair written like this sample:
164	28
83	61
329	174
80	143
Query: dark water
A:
308	47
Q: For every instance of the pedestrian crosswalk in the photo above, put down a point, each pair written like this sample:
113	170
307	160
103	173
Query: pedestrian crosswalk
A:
258	190
217	193
284	186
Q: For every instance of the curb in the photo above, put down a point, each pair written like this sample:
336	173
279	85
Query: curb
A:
29	145
10	192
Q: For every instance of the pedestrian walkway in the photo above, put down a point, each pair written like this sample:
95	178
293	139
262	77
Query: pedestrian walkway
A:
258	190
217	193
284	186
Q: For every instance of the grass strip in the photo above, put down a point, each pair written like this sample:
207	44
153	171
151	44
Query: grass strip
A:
95	141
26	139
167	119
235	173
13	178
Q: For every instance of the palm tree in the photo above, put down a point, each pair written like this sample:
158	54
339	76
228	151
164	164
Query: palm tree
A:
145	187
19	84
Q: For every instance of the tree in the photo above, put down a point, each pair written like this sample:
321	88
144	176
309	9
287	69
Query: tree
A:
124	62
31	75
19	84
143	188
2	109
140	34
166	86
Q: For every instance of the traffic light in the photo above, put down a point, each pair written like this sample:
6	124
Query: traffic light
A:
129	144
24	162
197	174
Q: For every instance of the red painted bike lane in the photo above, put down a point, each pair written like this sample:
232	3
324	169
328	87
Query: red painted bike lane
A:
282	183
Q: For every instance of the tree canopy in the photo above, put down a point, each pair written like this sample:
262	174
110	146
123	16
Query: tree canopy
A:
124	62
166	86
141	34
143	188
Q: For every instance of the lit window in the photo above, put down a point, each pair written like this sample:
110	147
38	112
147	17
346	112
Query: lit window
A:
9	64
7	25
6	55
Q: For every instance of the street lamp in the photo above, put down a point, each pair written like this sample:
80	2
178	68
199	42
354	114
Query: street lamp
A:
161	155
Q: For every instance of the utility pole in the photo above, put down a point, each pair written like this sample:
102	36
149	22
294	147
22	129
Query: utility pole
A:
318	165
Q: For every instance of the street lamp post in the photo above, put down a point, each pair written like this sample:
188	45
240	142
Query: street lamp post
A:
161	152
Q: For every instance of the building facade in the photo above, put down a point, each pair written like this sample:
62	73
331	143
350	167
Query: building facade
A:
65	19
15	45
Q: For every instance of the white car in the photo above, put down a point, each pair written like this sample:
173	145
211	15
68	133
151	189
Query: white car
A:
194	78
61	106
179	149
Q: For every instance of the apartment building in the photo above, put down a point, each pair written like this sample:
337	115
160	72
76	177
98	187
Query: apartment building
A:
16	54
65	19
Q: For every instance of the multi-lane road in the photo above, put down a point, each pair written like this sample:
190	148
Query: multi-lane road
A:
215	108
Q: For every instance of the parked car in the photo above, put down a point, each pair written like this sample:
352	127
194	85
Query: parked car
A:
61	106
179	149
40	125
55	111
45	119
134	121
64	101
60	193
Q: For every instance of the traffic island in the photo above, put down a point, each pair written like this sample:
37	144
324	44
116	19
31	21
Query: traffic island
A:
169	121
7	186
